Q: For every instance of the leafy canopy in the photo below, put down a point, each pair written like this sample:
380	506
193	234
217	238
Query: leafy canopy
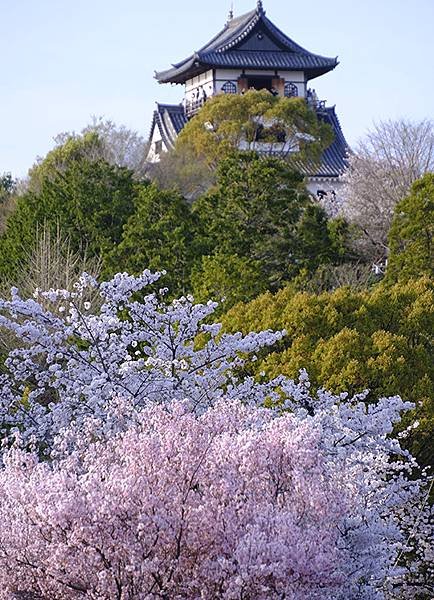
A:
7	185
75	190
227	278
349	340
161	234
7	198
411	237
256	120
260	211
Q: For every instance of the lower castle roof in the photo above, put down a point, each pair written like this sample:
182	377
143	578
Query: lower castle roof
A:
171	119
334	160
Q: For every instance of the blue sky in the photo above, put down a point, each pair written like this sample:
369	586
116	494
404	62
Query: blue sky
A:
63	61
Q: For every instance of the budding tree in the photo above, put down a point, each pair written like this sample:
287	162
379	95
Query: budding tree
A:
385	164
119	146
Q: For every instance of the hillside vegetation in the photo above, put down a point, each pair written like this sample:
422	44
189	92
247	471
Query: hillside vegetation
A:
210	383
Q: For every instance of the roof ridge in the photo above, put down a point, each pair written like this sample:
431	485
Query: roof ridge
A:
164	105
332	110
236	24
242	35
232	35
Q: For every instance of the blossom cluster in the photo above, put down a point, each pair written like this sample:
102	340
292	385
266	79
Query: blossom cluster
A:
230	504
72	363
147	463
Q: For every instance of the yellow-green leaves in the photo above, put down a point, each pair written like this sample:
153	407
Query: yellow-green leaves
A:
411	237
256	120
347	340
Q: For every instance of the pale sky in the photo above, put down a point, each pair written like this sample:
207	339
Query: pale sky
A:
63	61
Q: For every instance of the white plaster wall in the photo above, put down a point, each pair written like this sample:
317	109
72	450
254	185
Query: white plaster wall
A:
199	80
213	81
293	76
205	81
229	74
153	156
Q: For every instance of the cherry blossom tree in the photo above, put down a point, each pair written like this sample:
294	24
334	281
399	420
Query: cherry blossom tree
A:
75	362
232	504
147	464
235	503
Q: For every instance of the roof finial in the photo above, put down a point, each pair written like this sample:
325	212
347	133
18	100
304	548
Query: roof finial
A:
231	12
260	7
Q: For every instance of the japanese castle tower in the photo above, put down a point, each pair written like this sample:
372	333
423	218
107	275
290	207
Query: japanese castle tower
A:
250	52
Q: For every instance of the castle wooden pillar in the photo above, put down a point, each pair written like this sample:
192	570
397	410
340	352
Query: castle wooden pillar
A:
242	84
279	84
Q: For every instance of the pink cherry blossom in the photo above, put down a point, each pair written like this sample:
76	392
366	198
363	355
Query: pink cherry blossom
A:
234	503
146	466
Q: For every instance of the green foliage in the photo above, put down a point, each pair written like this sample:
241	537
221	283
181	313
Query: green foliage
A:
349	340
255	120
255	229
258	216
7	186
72	149
159	235
7	198
226	278
77	191
411	237
260	211
181	171
327	277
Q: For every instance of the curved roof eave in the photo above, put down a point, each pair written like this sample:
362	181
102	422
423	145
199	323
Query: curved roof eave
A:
180	75
231	29
228	38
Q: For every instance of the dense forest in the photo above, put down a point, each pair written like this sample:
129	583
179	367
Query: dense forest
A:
130	294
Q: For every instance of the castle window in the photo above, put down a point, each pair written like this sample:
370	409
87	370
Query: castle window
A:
158	147
229	88
291	90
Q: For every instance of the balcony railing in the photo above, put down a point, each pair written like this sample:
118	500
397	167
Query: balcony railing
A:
192	107
314	102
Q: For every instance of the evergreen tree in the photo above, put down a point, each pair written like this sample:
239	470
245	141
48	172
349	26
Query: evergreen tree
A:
160	235
411	237
7	199
260	211
227	279
378	340
7	185
76	190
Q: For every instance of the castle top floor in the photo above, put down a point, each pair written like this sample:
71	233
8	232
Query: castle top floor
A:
249	53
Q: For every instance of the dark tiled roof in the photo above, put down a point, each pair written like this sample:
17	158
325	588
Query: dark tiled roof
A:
262	60
249	41
334	160
170	119
234	30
